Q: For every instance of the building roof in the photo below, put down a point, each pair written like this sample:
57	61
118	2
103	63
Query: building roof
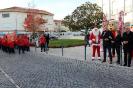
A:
25	10
57	20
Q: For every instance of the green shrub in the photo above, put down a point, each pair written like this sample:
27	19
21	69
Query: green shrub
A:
65	43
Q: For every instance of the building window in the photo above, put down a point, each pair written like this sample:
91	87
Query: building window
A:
5	15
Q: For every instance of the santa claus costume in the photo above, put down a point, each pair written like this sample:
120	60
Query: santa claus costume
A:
95	37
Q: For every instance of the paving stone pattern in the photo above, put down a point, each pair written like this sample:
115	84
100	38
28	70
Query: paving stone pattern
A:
39	70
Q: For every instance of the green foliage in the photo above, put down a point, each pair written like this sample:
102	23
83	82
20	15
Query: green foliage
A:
65	43
84	17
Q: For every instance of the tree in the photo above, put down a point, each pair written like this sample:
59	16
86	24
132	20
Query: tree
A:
33	22
84	17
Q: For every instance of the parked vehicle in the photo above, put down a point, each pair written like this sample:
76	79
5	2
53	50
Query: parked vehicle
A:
53	37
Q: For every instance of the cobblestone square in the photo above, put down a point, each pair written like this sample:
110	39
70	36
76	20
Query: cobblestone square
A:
41	70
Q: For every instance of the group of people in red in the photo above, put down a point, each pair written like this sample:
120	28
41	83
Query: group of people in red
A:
113	41
10	42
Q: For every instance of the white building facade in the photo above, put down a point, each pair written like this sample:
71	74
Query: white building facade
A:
12	19
111	8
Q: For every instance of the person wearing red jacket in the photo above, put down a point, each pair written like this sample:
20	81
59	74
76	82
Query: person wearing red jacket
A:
26	43
11	46
42	42
4	43
113	48
20	42
0	43
95	38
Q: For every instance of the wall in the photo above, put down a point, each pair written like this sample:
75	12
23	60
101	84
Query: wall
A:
16	19
115	7
13	22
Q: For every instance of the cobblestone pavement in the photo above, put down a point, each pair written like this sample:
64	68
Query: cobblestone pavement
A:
77	53
72	52
40	70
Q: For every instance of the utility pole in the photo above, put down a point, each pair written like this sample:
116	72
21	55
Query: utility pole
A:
32	12
102	5
124	12
132	11
112	8
109	9
16	21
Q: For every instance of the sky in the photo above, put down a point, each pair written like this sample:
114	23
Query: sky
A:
60	8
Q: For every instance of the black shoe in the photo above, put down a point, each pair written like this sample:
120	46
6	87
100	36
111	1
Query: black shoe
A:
103	61
118	62
125	65
110	62
129	65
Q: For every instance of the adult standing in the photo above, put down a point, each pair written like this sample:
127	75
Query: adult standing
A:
107	37
47	41
127	46
113	47
118	40
95	37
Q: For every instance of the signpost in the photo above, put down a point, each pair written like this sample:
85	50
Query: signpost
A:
86	30
121	27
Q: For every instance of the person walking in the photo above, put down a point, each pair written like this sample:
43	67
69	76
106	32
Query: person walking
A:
127	46
107	37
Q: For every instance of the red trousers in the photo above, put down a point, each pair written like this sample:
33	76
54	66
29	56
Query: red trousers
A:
96	48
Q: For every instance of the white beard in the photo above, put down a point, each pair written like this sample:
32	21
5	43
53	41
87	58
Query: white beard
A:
96	33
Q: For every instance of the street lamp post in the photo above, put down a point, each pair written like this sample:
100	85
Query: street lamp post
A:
124	11
132	12
85	42
109	9
102	5
16	23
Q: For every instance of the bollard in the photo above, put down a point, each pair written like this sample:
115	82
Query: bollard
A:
35	46
62	50
121	55
85	51
86	30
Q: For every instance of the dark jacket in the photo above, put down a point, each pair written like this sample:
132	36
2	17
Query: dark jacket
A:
107	37
118	40
128	37
47	38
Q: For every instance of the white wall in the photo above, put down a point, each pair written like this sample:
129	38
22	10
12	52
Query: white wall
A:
116	7
50	22
16	20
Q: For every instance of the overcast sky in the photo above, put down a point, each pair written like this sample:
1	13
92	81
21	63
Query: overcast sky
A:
60	8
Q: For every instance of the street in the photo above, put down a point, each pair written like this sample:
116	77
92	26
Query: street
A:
41	70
